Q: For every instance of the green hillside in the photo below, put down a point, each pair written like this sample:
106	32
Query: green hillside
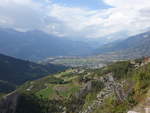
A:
116	88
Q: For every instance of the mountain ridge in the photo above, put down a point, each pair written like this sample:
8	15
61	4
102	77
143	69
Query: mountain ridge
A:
14	72
132	47
37	45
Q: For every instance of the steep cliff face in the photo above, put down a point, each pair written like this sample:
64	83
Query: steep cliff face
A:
8	103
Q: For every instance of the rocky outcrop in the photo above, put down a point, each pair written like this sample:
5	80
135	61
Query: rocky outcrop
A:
111	87
8	103
84	90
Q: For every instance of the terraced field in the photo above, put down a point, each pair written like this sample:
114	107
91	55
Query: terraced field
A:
61	85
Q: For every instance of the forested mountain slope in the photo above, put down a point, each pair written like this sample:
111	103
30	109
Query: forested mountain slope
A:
14	71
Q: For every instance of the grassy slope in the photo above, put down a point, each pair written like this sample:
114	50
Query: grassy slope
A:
60	85
64	85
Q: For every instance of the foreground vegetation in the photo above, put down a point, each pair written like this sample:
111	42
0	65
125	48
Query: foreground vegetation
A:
74	90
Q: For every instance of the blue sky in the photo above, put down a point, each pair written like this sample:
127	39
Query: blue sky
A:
77	18
91	4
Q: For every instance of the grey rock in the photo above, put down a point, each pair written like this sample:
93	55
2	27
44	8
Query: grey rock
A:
8	103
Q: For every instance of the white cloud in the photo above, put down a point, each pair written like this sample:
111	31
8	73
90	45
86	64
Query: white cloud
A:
137	4
133	16
129	16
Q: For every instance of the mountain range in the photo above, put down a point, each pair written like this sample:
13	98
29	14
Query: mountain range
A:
49	88
37	45
133	47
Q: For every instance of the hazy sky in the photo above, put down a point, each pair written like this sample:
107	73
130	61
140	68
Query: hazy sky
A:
77	18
